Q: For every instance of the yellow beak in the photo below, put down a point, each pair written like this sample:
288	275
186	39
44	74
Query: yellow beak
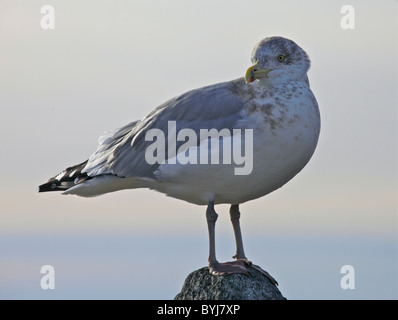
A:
256	72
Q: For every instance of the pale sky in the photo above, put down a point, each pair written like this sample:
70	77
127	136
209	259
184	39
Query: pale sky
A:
106	64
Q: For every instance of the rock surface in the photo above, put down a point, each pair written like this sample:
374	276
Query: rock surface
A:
201	285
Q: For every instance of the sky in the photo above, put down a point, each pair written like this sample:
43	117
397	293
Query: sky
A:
106	64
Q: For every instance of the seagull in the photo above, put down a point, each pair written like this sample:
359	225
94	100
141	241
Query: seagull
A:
270	112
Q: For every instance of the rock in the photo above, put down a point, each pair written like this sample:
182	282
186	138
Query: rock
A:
201	285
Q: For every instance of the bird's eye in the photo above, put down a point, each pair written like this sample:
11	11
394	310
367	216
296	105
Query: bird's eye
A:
281	58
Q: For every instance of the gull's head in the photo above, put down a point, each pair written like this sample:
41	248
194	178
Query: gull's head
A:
278	58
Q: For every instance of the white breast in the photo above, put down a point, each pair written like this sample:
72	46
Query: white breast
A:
285	137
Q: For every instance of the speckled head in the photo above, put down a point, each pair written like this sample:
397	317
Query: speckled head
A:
283	56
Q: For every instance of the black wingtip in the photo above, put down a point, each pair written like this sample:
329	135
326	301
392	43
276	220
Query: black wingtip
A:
48	186
65	179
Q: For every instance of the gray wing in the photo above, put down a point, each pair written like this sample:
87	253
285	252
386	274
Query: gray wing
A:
122	152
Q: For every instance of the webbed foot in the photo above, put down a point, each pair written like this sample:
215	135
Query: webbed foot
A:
238	266
227	268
